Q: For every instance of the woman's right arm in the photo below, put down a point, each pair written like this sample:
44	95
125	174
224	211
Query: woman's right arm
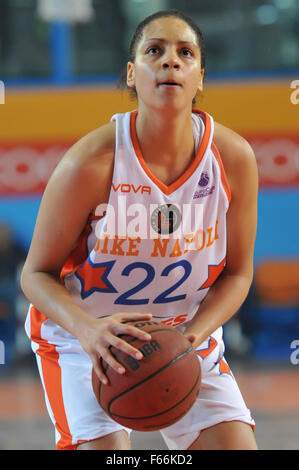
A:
80	182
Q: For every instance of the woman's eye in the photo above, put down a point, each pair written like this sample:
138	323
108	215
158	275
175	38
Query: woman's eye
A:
186	52
153	50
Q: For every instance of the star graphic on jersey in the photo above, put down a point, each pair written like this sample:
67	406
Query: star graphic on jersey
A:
203	353
224	367
213	272
94	277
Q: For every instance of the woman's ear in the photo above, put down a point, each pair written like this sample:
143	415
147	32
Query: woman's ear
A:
130	75
200	86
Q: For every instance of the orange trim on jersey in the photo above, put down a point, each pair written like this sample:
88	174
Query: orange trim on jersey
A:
190	170
224	180
79	253
51	378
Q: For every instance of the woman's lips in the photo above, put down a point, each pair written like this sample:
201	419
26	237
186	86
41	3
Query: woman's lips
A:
169	84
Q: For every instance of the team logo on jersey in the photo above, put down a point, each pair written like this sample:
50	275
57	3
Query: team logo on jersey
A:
166	219
203	192
204	179
203	182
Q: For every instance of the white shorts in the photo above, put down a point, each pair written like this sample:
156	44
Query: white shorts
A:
65	371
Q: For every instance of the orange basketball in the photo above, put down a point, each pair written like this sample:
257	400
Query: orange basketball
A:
156	391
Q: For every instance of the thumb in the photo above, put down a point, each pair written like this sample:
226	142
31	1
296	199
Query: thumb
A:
191	338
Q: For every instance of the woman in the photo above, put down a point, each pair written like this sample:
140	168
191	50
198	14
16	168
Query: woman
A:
87	279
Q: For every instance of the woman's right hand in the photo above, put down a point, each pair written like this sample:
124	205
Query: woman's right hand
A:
98	334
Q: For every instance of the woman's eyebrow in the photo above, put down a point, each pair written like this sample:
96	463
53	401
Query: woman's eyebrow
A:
164	40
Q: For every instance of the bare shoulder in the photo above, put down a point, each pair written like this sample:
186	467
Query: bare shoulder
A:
237	155
89	162
94	149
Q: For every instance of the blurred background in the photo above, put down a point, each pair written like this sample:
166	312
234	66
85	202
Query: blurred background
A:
60	62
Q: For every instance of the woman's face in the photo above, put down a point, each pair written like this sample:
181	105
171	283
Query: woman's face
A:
167	69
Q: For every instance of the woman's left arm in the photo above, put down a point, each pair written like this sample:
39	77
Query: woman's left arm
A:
231	288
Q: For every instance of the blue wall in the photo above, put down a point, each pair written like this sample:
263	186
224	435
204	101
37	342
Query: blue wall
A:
20	214
278	224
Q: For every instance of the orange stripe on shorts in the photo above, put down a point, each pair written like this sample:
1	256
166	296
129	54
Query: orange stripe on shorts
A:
52	379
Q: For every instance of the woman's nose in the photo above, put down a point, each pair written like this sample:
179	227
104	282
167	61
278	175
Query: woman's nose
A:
169	64
170	61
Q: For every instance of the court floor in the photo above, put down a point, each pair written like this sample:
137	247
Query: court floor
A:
270	392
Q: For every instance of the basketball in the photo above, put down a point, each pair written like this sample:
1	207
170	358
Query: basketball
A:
157	390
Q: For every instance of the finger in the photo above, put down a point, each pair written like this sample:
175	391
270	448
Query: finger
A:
191	338
132	331
112	362
98	369
126	348
126	317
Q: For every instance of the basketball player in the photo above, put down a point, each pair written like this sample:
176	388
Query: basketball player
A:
86	283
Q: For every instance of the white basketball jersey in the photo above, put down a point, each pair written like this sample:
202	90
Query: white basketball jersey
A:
153	248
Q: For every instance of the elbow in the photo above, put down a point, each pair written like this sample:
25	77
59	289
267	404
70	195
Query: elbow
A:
248	279
244	278
245	273
25	279
250	275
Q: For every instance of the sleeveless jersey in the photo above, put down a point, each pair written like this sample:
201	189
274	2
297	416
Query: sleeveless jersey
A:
153	247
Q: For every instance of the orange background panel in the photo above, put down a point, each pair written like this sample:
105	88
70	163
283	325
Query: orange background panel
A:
67	114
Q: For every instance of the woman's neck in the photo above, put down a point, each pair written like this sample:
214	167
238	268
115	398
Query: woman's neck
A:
165	138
